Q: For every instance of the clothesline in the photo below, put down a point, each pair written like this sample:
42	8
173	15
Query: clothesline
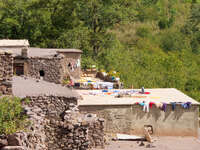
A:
163	106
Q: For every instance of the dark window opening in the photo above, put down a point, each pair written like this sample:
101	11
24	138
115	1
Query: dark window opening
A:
18	69
42	73
69	65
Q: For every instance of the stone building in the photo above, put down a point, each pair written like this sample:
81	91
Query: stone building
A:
53	65
52	111
169	111
58	124
6	72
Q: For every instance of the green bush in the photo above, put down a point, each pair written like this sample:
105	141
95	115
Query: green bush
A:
172	41
11	115
143	32
87	62
192	85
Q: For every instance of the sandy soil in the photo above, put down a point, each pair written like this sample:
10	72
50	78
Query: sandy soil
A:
161	143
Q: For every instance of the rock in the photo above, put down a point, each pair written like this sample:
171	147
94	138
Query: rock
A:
3	142
13	140
147	135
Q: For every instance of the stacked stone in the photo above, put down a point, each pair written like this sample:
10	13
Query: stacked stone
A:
67	136
57	124
75	131
34	136
6	72
53	68
51	105
96	133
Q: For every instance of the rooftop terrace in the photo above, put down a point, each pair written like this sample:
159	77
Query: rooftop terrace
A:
23	87
167	95
41	52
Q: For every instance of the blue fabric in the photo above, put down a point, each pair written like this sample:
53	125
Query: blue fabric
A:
186	105
142	104
113	78
104	90
173	105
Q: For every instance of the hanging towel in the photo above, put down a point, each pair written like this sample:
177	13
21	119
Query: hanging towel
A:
146	107
164	107
151	104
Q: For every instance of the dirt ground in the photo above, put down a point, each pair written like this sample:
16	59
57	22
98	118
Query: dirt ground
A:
161	143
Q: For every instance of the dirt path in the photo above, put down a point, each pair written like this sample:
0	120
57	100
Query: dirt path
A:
161	143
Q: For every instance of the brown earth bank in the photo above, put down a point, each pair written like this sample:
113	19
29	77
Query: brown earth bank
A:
161	143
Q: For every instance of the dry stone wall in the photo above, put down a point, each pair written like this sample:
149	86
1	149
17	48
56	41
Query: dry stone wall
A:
6	72
52	68
56	124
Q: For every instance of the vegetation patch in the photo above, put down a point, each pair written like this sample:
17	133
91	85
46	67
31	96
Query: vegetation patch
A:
12	118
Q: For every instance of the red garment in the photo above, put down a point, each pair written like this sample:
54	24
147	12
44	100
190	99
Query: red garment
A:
71	82
145	93
151	104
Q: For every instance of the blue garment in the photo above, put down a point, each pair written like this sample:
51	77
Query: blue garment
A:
142	104
173	105
186	105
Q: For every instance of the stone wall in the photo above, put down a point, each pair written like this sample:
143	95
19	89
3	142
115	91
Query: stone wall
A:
57	124
130	119
56	68
52	67
6	72
75	131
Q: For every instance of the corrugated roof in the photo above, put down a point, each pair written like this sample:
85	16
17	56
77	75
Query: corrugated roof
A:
23	87
14	43
41	52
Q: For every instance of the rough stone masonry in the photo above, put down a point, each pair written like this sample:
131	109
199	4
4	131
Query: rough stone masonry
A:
56	128
6	72
52	68
55	121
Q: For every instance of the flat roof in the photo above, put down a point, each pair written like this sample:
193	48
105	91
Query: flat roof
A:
14	43
24	86
166	95
41	52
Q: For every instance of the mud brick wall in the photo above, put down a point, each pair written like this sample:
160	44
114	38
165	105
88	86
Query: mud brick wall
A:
53	68
6	72
180	122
